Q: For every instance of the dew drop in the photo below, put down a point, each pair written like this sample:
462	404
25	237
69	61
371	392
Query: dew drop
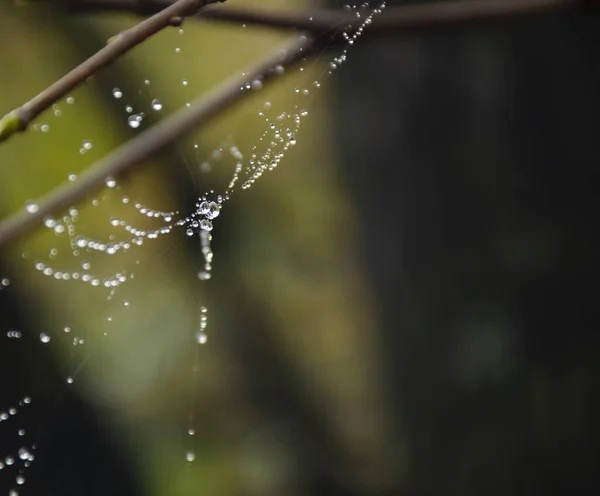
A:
44	338
206	225
134	121
110	182
201	337
117	93
257	84
31	207
190	456
156	105
70	380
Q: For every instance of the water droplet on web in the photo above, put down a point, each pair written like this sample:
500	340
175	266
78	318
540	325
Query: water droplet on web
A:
178	50
31	207
70	100
156	105
117	93
279	70
201	337
191	432
190	456
110	182
44	338
257	84
72	177
45	128
20	479
70	380
134	121
184	82
206	225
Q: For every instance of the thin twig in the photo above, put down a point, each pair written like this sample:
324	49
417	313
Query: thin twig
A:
395	19
19	119
154	139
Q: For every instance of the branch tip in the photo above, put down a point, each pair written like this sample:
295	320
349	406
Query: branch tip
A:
9	125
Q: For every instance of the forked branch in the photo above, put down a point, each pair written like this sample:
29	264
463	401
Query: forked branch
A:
400	20
19	119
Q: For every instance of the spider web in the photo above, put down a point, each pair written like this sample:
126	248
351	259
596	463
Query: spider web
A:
104	255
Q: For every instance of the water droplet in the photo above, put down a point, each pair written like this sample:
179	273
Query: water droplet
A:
87	145
72	177
156	105
190	232
110	182
70	100
213	210
279	70
117	93
184	82
206	225
190	456
191	432
20	479
257	84
70	380
44	338
134	121
31	207
201	337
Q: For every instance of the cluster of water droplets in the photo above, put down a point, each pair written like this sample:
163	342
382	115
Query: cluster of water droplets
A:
280	133
16	463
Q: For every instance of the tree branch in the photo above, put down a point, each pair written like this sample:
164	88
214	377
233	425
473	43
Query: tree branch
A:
156	138
19	119
396	19
399	19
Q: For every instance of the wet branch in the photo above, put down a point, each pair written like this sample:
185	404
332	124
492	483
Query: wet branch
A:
156	138
324	25
395	19
19	119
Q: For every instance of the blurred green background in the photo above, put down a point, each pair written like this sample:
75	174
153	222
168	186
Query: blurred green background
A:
398	308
